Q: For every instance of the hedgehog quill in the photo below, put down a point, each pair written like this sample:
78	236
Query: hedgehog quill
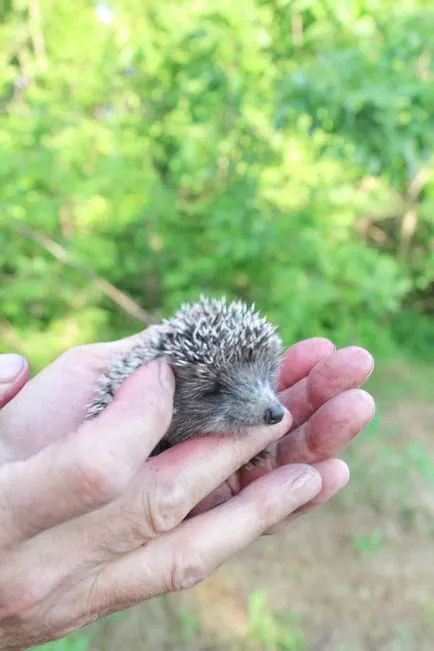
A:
225	357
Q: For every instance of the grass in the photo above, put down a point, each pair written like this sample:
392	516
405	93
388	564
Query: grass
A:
391	460
77	642
370	544
272	630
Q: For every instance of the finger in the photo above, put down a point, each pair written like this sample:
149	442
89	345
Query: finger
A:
14	371
325	435
191	552
335	475
300	359
92	467
344	369
174	483
329	430
164	493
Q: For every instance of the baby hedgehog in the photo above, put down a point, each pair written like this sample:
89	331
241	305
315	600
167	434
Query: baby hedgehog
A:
225	357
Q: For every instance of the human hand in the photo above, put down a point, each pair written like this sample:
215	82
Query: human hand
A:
319	386
90	525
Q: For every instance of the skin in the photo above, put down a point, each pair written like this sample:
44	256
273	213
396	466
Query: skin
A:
91	525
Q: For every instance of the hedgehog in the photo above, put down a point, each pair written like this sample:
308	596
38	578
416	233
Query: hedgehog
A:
225	357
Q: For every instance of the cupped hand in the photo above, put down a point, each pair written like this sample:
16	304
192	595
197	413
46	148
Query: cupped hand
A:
90	525
319	385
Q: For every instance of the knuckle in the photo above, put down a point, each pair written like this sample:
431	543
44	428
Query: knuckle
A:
101	478
167	505
187	570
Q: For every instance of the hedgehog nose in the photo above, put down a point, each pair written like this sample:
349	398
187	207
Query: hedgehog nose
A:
273	415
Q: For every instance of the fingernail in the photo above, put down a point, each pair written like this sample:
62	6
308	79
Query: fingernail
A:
372	360
307	479
167	378
11	365
373	407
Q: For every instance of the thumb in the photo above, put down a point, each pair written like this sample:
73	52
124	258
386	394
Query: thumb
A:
14	371
94	465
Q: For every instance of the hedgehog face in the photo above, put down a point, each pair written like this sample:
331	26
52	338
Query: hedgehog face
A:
228	385
229	400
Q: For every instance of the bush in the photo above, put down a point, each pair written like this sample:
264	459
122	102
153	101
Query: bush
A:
278	151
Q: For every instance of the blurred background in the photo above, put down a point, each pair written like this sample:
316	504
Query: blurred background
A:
276	150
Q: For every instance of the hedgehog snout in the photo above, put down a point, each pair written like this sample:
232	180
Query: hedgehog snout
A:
273	414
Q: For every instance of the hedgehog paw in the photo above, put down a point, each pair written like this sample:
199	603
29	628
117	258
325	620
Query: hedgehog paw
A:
258	460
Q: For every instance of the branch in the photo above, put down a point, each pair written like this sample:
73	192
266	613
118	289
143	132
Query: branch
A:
121	299
36	33
410	216
408	229
297	29
416	185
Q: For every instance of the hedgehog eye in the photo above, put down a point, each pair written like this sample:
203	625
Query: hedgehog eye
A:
213	389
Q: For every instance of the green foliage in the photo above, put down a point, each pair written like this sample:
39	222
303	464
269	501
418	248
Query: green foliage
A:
273	631
371	544
77	642
274	150
189	625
